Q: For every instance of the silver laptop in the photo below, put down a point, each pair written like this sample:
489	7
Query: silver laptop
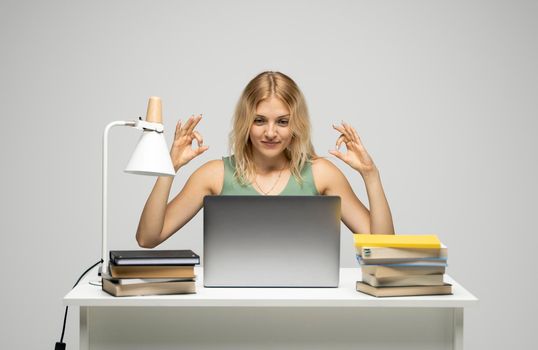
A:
271	241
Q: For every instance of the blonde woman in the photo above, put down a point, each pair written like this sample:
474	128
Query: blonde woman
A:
272	154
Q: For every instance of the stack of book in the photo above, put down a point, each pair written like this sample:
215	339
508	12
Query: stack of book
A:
150	272
401	265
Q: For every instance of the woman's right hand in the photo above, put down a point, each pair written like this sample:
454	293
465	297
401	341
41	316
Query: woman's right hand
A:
182	151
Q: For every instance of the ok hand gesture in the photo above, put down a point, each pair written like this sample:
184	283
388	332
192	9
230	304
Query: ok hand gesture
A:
356	155
182	151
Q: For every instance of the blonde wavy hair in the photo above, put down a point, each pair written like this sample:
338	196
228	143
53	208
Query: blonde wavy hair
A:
263	86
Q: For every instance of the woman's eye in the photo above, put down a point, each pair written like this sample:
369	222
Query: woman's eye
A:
258	121
283	122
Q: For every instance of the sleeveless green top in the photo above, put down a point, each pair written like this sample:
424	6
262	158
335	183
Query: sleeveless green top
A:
232	187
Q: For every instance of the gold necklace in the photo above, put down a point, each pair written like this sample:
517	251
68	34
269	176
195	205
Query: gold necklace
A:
258	185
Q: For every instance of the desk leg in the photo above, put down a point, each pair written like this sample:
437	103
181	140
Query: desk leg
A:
458	329
84	333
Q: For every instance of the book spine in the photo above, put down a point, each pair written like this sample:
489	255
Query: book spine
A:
408	253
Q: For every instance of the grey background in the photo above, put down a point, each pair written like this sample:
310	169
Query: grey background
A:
443	95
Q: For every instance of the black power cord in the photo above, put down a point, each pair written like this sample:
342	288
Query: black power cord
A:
61	345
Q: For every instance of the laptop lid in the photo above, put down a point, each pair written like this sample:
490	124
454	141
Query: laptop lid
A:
271	241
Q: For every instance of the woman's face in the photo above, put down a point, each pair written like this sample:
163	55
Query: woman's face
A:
270	133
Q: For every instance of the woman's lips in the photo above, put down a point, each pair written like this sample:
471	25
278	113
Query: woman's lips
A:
270	144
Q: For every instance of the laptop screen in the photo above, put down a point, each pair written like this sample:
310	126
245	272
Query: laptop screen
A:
271	241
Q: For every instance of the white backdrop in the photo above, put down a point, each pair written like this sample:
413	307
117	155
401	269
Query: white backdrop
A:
443	94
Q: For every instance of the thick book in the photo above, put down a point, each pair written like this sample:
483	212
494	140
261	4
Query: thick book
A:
372	254
403	291
406	262
409	280
397	241
154	257
117	289
152	271
380	271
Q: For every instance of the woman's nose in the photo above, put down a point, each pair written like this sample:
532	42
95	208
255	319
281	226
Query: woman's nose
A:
270	131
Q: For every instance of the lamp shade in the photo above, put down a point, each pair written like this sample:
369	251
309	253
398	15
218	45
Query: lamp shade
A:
151	156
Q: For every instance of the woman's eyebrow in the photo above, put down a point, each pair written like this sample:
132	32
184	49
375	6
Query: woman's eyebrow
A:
282	116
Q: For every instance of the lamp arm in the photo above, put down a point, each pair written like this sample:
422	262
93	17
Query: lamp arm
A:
104	231
137	124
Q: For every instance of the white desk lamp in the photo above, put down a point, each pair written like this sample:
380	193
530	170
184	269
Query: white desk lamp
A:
151	157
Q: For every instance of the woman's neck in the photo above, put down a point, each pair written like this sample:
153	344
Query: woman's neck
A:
265	165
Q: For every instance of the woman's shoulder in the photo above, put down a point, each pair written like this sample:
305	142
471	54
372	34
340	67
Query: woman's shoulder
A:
211	173
211	165
323	165
325	173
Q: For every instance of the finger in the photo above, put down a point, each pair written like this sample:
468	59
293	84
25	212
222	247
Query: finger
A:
358	142
187	125
356	135
178	129
198	137
343	139
195	122
337	154
342	130
349	130
340	140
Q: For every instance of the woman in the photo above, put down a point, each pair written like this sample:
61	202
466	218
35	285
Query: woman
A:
272	155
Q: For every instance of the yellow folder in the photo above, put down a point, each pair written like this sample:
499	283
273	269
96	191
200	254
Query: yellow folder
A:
397	241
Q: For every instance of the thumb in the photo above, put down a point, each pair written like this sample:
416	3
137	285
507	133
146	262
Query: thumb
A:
201	150
337	154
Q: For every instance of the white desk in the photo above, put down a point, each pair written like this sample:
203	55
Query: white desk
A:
270	318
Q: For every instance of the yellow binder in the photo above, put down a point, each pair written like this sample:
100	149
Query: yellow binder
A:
397	241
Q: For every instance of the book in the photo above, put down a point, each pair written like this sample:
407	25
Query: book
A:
152	271
375	253
409	280
403	291
401	241
381	271
153	288
369	261
128	281
406	262
154	257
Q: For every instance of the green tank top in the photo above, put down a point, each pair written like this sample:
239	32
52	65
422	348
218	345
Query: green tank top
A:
231	186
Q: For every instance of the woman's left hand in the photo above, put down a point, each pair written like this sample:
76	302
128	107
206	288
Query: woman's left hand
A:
355	155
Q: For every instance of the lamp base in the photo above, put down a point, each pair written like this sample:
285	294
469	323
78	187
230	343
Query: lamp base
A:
102	270
97	283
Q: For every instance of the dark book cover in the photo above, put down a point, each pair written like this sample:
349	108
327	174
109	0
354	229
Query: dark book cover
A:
154	257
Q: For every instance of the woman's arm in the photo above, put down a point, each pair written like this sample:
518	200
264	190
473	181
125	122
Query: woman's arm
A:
159	220
380	215
154	213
